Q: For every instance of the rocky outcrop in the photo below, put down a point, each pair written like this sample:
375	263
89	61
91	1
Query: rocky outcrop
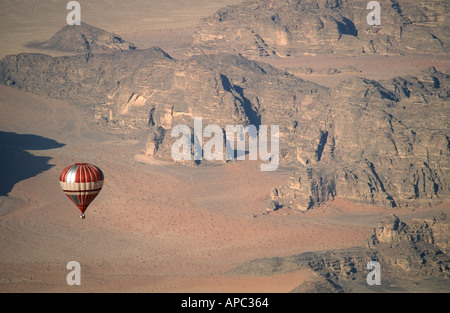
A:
321	286
263	28
85	80
410	255
84	38
391	231
417	248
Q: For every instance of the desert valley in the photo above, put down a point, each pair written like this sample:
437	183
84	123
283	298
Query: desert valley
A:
364	151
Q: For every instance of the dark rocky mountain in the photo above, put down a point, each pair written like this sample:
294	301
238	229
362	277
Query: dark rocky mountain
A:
413	257
84	38
262	28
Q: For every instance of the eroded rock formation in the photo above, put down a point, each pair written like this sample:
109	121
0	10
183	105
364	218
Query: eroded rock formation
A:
262	28
409	255
84	38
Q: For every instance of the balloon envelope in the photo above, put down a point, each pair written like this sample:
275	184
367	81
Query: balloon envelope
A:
81	182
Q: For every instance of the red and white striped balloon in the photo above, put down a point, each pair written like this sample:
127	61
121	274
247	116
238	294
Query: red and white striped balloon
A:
81	182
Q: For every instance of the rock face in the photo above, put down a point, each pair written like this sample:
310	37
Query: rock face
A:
262	28
410	254
383	143
84	38
84	79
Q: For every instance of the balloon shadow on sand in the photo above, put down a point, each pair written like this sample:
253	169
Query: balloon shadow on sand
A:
18	164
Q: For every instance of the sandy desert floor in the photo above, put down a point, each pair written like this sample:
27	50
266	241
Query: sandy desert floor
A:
156	226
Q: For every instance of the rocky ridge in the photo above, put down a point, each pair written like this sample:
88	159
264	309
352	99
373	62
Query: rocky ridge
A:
409	255
264	28
84	38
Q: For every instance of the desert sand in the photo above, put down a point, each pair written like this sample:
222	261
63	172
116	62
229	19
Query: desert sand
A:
156	226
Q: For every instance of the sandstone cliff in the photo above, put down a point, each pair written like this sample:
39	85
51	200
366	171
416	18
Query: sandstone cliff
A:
262	28
383	143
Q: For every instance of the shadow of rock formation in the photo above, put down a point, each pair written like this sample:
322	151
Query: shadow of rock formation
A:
17	163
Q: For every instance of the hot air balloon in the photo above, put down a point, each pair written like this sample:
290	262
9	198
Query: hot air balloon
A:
81	182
